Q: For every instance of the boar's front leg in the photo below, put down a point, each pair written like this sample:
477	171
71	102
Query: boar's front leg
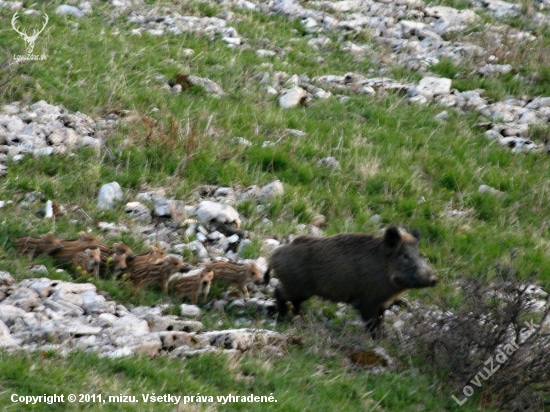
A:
282	297
373	316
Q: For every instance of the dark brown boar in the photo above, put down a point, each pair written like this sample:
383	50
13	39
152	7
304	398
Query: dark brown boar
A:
366	271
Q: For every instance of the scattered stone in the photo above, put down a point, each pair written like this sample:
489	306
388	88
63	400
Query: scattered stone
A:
6	279
6	340
271	190
70	10
138	211
494	69
442	116
270	245
190	311
293	97
488	189
109	195
329	162
207	84
209	212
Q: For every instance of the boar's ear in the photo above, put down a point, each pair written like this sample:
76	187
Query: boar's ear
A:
392	238
416	234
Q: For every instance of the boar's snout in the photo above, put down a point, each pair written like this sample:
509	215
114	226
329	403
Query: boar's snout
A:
423	277
427	277
433	280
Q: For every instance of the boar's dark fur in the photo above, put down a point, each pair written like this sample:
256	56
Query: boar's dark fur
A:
366	271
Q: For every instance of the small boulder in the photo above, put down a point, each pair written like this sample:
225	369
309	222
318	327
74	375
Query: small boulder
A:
109	195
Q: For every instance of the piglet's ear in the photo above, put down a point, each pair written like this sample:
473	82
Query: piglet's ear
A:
416	234
392	238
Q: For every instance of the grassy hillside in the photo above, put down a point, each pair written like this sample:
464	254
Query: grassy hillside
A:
392	154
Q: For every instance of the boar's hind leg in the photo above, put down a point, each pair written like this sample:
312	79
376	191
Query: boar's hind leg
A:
372	316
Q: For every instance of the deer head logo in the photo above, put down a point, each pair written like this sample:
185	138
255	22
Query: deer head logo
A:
29	40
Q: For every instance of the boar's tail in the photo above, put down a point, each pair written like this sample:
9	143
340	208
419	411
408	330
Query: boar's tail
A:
267	275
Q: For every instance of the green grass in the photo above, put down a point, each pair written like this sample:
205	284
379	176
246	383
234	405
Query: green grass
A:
320	381
391	155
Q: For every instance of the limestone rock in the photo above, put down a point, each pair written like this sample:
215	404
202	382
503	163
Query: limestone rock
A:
109	195
293	97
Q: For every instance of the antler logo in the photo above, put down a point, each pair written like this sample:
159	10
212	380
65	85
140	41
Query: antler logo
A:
29	40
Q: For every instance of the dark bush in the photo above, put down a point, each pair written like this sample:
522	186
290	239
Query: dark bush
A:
494	347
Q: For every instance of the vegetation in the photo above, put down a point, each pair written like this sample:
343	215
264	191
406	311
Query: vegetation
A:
396	161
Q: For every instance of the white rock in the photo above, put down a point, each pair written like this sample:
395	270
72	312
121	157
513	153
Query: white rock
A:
233	238
62	294
8	313
15	125
94	303
271	190
74	287
450	19
265	53
190	311
23	298
138	211
488	189
442	115
6	279
6	340
330	162
518	144
234	41
538	103
39	269
119	353
242	140
270	245
207	84
109	195
198	248
247	5
494	69
129	325
209	211
70	10
106	320
86	342
493	135
293	97
436	85
250	192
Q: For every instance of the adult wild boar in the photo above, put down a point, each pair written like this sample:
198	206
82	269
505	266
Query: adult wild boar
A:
366	271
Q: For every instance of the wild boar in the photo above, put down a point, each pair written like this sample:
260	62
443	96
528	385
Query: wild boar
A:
193	286
366	271
234	273
114	260
73	246
34	246
86	262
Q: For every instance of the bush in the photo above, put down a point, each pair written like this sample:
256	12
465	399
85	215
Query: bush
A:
495	345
